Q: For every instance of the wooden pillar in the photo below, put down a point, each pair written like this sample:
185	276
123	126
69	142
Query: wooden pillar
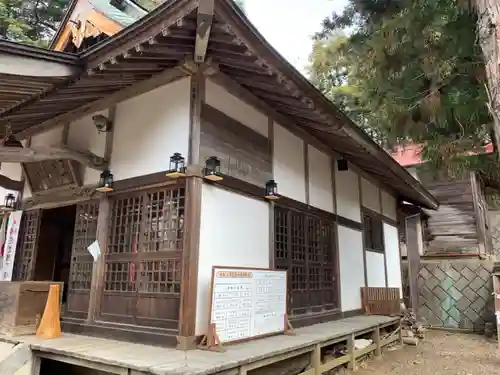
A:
186	338
316	359
98	269
97	283
351	365
189	279
376	340
413	256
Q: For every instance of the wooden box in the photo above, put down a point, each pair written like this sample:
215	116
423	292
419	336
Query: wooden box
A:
381	301
21	305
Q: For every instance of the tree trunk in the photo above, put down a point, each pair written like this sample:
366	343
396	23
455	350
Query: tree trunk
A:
489	38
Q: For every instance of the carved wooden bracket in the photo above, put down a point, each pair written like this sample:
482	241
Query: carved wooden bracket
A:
41	153
70	194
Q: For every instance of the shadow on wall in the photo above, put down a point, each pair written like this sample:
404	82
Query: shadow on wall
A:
455	294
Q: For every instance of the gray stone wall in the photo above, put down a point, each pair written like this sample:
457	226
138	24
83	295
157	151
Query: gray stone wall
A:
455	294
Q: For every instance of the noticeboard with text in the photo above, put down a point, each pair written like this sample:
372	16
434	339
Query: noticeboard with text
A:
247	303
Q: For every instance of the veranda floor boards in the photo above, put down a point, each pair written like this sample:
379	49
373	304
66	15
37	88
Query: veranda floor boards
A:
120	357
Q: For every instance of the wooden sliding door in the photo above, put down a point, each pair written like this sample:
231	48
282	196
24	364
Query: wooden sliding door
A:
80	274
143	260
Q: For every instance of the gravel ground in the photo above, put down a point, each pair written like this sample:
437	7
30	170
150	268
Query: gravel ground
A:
441	353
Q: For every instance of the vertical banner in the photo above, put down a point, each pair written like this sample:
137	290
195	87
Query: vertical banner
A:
3	231
11	238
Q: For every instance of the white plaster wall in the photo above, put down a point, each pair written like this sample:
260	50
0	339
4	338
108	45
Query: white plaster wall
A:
48	138
288	164
389	207
149	128
218	97
393	258
234	232
370	195
83	135
352	275
375	269
320	180
347	194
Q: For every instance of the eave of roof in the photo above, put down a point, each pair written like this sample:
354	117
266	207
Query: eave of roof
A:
165	38
23	50
351	128
27	72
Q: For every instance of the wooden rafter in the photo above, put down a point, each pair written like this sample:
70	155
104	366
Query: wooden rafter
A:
32	154
203	28
163	78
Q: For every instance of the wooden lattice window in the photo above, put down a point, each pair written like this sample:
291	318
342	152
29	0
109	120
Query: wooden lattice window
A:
27	246
373	233
305	246
145	242
84	234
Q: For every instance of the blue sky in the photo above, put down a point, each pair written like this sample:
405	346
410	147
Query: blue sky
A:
289	24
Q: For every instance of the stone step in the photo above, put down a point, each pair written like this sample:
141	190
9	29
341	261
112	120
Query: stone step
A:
15	359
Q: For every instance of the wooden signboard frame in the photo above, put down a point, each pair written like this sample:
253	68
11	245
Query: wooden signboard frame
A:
211	340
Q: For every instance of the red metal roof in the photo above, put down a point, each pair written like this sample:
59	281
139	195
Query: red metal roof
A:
411	154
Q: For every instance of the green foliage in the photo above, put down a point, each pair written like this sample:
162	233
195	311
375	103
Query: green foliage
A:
407	71
31	22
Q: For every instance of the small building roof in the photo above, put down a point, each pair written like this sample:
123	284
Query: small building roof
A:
411	154
108	10
165	39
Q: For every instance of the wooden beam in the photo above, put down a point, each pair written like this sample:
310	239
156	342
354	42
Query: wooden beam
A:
10	184
63	38
99	265
59	196
167	76
203	27
197	99
40	153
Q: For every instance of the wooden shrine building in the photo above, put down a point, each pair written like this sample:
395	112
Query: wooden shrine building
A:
194	78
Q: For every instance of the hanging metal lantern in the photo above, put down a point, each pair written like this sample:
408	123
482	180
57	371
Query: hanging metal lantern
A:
177	167
342	165
271	190
105	182
212	169
10	202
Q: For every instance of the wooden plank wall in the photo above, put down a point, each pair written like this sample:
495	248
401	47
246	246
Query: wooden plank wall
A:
452	228
244	153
